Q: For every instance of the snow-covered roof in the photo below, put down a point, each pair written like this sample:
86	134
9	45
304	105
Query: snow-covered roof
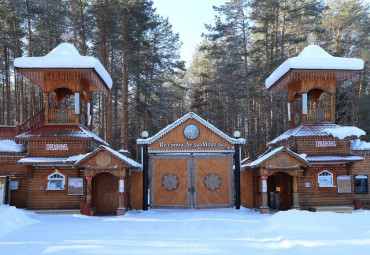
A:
129	161
272	153
53	160
358	145
313	57
335	158
343	132
319	129
65	55
10	146
194	116
61	131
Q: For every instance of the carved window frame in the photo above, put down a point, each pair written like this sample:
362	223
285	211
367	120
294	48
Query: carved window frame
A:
61	179
328	174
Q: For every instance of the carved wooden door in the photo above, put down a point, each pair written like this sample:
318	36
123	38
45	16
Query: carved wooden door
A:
105	187
211	182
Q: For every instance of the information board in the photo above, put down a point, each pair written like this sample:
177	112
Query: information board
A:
344	184
75	186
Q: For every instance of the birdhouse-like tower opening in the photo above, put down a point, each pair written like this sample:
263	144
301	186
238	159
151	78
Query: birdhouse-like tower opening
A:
309	81
67	79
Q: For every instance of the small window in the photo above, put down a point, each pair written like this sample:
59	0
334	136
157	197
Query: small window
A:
361	184
56	181
325	179
14	185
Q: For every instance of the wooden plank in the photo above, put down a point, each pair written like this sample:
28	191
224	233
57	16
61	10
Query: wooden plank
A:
204	167
178	196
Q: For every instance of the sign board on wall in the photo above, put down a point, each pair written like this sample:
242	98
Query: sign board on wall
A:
56	147
75	186
121	186
264	185
326	144
344	184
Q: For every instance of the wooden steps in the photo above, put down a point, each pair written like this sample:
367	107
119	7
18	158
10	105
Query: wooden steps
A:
337	209
69	211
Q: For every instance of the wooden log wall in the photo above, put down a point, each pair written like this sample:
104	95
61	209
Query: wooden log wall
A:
308	146
136	190
246	188
40	198
17	172
37	147
318	196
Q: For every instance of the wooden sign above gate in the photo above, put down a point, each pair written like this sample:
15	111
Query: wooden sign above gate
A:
191	133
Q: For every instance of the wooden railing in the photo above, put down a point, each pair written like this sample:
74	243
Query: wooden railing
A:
32	123
10	132
7	132
318	115
61	116
313	115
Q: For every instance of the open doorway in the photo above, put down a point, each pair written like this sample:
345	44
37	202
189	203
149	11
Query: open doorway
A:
280	191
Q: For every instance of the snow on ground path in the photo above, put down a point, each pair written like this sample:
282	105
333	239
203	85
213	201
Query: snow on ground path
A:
221	231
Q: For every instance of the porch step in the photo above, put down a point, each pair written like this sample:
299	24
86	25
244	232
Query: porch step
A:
69	211
337	209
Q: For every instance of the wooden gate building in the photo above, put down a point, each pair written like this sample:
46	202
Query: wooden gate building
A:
191	165
316	162
59	162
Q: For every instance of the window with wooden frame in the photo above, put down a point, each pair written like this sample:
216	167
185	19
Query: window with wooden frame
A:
325	179
56	181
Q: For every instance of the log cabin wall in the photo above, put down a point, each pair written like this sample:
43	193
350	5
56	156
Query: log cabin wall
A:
40	198
17	172
246	188
41	147
136	190
362	168
310	194
309	145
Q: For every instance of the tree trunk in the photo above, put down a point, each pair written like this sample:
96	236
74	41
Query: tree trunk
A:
124	113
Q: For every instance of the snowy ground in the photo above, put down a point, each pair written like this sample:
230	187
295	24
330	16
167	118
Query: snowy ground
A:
222	231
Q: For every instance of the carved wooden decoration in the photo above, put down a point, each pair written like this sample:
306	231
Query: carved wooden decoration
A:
60	116
283	160
103	159
212	181
170	182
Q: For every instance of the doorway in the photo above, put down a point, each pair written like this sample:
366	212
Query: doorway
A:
105	193
280	191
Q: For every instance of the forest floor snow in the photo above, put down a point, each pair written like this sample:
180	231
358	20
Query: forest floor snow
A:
216	231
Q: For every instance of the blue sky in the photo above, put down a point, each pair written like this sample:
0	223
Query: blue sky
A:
188	18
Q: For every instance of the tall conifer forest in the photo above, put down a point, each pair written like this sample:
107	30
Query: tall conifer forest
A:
152	87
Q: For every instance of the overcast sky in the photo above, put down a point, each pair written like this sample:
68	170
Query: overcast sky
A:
188	18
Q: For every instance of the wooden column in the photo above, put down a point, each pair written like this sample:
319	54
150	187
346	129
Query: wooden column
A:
295	193
46	107
332	107
122	195
264	208
89	195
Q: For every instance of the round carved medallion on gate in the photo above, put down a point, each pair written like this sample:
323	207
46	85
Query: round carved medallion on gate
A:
212	181
170	182
103	159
